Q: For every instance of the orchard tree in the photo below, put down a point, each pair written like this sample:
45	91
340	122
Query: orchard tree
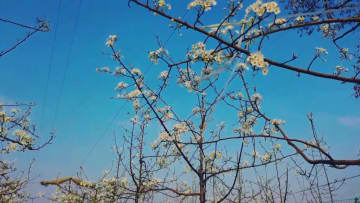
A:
17	134
216	76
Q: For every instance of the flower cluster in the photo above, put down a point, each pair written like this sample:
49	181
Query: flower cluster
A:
110	42
164	136
162	3
325	29
155	144
180	128
340	69
315	18
26	140
277	147
119	71
247	123
162	162
154	55
344	51
189	79
175	150
103	69
255	154
16	122
280	21
204	4
152	183
150	95
105	190
133	94
166	113
260	8
266	158
210	165
136	104
215	155
320	50
242	66
206	70
226	29
121	85
277	122
198	52
257	59
240	114
272	7
245	164
136	71
238	96
257	98
300	19
163	75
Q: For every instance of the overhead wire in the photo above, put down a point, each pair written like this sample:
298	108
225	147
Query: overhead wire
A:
106	129
67	64
44	99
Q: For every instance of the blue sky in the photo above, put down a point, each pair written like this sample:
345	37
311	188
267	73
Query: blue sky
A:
85	111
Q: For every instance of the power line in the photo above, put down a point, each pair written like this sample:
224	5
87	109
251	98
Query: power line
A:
44	99
103	134
67	64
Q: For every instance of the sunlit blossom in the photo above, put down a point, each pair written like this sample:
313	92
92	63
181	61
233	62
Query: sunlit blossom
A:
321	50
277	122
255	154
257	59
121	85
163	75
111	40
205	4
161	3
266	157
136	71
300	19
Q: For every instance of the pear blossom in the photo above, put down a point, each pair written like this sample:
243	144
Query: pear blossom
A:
136	71
110	42
300	19
204	4
321	50
163	75
121	85
266	158
257	59
277	122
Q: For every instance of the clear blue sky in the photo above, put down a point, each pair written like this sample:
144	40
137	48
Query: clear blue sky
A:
85	110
